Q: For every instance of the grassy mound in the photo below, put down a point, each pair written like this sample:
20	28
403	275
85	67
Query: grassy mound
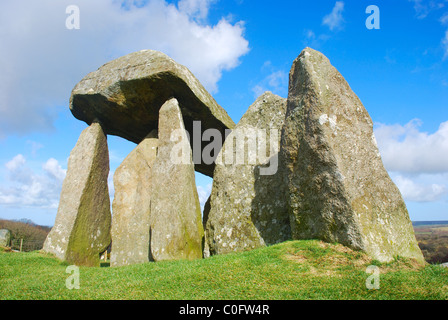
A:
290	270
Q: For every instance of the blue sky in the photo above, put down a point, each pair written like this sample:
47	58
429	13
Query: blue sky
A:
237	49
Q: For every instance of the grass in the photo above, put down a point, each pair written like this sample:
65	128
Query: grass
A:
291	270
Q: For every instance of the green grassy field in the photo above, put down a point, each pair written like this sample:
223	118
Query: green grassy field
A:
291	270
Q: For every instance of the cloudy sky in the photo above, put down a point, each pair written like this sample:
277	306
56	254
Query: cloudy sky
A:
238	49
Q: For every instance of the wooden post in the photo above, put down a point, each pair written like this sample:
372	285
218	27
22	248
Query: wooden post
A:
21	243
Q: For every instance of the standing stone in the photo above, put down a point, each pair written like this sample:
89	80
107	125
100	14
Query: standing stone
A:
132	205
82	227
339	190
5	238
247	202
176	225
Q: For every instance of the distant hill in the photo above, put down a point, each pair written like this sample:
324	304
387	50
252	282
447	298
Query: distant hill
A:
428	223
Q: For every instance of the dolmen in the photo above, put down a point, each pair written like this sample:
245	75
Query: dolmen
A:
302	167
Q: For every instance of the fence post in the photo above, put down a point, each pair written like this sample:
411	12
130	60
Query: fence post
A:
21	243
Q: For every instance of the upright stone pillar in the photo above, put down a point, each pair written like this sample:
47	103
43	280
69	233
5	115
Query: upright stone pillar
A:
82	228
247	206
339	190
132	205
176	225
5	238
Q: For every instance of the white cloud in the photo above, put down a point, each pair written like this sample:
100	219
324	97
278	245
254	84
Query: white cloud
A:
54	170
29	189
418	190
310	34
258	90
416	160
203	193
195	8
111	186
275	81
116	156
314	41
424	7
16	162
406	149
444	19
420	9
334	20
41	60
34	146
445	45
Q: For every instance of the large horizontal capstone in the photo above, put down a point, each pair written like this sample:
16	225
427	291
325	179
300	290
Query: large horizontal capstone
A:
125	96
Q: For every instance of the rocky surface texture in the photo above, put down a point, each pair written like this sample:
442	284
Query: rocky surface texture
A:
132	205
339	190
82	228
247	204
176	224
125	96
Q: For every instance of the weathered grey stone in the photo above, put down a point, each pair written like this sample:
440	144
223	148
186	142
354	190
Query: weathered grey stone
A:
339	190
5	238
132	204
247	202
176	225
82	227
125	95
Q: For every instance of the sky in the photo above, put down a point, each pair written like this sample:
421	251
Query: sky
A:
237	49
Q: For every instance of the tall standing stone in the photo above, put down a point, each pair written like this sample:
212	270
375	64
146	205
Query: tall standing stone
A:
5	237
339	190
247	206
176	225
132	205
82	228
